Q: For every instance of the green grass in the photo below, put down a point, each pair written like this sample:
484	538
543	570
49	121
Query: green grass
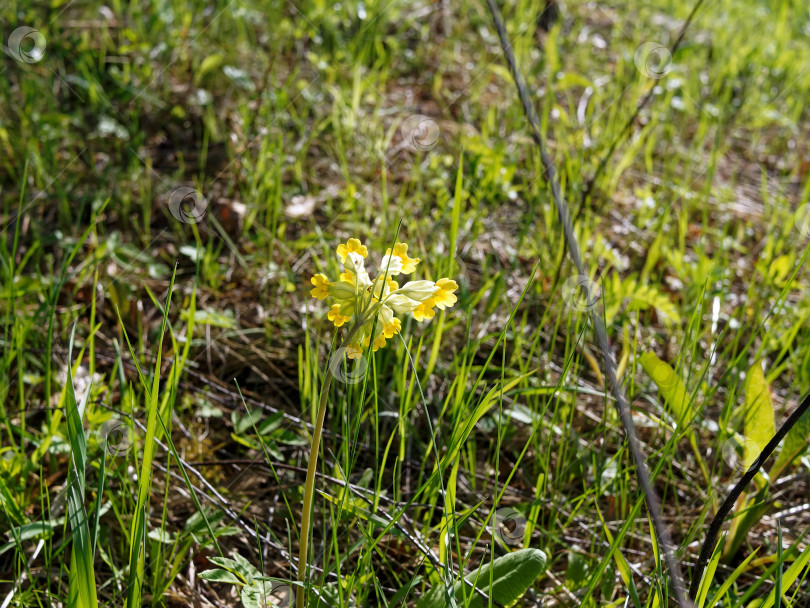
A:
200	344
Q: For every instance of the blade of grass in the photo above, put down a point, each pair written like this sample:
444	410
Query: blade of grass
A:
82	580
137	538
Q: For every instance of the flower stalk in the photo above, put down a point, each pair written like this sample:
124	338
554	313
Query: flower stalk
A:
309	484
369	307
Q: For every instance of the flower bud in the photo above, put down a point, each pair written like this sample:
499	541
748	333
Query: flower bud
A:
354	262
391	265
341	290
418	290
401	304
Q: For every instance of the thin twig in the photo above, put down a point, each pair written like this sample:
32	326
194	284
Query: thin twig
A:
717	523
653	503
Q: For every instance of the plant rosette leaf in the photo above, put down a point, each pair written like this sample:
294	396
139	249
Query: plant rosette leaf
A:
511	576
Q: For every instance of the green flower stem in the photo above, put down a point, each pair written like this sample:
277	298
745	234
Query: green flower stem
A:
309	487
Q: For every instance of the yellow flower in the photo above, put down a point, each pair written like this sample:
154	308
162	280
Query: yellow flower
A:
401	252
392	328
354	351
354	270
444	295
425	310
379	342
375	303
352	245
322	285
335	316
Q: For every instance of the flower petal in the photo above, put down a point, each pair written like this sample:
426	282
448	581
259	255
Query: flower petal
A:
401	251
351	246
322	285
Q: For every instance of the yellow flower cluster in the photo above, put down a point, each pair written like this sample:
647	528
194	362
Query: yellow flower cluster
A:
373	304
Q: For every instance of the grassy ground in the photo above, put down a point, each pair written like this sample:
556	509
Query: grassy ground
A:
196	352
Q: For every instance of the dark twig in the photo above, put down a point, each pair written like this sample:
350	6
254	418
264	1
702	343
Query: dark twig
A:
653	503
600	167
731	499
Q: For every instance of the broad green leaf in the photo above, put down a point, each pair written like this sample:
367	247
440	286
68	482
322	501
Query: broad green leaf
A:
759	424
793	446
239	566
35	530
247	567
669	384
224	562
638	297
512	575
196	523
577	572
328	597
161	536
572	79
267	595
220	576
252	597
208	64
210	317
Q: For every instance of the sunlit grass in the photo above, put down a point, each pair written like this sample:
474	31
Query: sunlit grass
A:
289	121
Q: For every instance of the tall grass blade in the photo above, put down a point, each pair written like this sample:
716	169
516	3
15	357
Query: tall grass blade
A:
81	577
137	536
